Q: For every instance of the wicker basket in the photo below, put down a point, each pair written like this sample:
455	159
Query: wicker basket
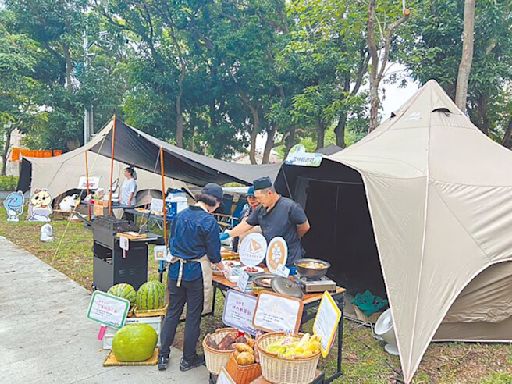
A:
243	374
217	359
285	371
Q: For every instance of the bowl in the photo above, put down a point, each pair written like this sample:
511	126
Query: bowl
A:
312	268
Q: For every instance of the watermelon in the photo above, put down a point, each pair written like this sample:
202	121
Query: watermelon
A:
126	291
151	295
134	342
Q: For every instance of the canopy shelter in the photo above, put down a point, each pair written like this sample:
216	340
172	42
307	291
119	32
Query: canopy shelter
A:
420	209
62	173
143	151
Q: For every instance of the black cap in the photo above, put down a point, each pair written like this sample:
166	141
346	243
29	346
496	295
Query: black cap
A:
262	183
214	190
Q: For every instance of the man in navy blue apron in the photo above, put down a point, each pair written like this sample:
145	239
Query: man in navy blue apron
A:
194	245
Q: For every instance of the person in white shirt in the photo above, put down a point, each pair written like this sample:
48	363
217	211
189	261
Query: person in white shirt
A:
129	187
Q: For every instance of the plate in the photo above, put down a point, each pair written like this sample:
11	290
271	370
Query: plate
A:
264	280
252	270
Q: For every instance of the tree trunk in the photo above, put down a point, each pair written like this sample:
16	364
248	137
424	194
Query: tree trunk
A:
180	126
320	134
5	151
374	82
252	149
340	130
69	65
483	111
507	137
289	142
269	144
461	94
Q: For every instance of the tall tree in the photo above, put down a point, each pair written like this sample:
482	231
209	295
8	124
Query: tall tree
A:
380	37
467	55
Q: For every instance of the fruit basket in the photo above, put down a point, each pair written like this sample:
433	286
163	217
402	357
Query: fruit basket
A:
242	374
216	359
292	370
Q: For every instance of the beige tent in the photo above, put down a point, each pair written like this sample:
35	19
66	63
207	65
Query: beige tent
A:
438	197
61	174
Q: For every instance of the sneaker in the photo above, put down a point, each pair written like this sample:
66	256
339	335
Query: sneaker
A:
163	362
186	365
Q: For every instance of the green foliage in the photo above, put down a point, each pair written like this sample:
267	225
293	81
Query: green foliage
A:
498	378
8	183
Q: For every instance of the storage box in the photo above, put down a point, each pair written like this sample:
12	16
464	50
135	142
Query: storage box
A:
155	322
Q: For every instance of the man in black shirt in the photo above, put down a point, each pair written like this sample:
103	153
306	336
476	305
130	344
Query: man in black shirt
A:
278	217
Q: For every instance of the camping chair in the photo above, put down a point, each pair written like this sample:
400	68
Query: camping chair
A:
223	214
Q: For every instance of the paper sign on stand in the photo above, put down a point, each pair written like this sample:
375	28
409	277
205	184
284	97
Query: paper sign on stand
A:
276	313
224	377
243	280
239	311
108	309
91	182
326	322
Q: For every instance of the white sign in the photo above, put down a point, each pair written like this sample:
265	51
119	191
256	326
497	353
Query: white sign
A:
239	311
282	271
252	250
94	182
224	377
157	205
277	254
326	322
275	313
108	309
299	156
243	280
162	253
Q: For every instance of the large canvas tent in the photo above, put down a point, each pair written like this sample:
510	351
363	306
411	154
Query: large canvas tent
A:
142	150
419	210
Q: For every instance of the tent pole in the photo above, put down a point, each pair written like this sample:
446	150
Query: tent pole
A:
87	185
112	165
164	208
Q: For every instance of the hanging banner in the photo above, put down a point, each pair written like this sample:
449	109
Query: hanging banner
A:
108	309
326	322
298	156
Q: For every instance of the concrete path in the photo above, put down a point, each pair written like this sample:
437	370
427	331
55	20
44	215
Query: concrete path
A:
45	336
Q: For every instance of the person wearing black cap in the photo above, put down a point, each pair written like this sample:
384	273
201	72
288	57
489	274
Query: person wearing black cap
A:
278	217
194	245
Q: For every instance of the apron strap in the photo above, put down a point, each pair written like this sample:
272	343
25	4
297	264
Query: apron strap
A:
182	262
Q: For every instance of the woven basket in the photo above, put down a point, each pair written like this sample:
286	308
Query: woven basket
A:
285	371
217	359
242	374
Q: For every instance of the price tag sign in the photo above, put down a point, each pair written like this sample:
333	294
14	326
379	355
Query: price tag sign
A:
224	377
282	271
108	309
276	313
243	280
239	311
326	322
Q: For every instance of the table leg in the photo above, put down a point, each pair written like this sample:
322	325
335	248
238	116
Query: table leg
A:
213	301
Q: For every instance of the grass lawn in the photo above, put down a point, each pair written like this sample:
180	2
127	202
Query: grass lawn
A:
364	360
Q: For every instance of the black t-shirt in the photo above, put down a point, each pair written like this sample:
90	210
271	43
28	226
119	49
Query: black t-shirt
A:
281	221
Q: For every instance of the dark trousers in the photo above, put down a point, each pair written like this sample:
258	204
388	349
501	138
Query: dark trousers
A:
190	292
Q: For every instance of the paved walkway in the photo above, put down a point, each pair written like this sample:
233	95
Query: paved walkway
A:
45	336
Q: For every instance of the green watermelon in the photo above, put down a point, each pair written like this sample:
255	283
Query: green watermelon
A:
126	291
151	295
134	342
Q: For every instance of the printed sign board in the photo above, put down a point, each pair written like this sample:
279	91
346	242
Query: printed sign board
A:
239	311
94	182
276	313
252	250
277	254
108	309
326	322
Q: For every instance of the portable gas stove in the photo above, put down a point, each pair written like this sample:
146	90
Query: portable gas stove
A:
317	285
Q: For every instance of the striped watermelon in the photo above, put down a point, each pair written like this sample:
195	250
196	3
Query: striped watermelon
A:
124	290
151	295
